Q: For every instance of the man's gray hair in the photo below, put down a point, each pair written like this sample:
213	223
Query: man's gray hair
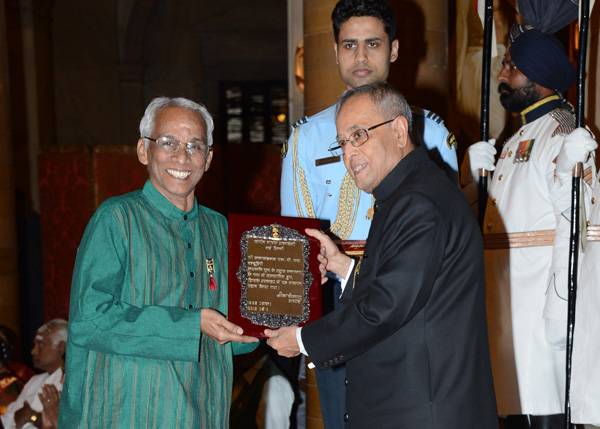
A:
58	329
390	101
147	123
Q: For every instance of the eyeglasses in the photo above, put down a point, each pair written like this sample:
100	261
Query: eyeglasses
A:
171	145
357	139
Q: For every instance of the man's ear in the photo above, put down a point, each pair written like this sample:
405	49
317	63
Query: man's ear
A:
400	126
394	51
142	151
62	348
208	160
335	48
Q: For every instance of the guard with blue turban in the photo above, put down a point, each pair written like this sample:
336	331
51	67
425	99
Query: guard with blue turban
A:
526	229
541	57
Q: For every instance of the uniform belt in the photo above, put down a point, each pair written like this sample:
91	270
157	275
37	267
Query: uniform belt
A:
531	238
518	239
593	233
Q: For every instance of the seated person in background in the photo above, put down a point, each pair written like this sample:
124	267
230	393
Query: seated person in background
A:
13	375
263	396
48	355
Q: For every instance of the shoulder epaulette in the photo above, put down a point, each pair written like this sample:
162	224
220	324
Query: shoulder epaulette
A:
427	114
434	117
300	122
566	122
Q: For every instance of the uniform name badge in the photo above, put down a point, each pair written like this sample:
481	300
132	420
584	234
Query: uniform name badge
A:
524	150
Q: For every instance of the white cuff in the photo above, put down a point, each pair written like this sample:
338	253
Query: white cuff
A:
301	346
345	279
300	343
299	330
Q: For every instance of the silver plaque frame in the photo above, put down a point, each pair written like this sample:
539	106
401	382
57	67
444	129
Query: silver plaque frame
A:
276	233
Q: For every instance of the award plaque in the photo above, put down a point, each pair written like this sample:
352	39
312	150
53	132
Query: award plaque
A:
274	278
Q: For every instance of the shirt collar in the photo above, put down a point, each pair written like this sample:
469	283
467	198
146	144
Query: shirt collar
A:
395	177
540	108
166	207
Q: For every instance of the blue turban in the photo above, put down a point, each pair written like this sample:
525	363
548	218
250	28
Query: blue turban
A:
541	57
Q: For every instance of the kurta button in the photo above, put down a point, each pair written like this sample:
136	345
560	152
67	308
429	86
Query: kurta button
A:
376	207
330	194
593	200
189	245
346	417
328	182
346	381
494	201
522	132
191	306
500	178
509	153
192	274
489	225
184	217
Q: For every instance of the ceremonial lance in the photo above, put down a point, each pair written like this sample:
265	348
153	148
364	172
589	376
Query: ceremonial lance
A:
575	201
485	102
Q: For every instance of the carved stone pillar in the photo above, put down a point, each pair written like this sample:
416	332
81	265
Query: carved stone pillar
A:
322	87
322	81
421	70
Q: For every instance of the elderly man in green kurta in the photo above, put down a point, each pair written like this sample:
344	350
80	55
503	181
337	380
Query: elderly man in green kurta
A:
149	345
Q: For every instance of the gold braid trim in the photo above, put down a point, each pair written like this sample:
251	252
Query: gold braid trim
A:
347	208
593	233
310	211
536	105
356	271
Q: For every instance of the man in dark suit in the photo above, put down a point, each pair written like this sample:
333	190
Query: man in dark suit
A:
413	331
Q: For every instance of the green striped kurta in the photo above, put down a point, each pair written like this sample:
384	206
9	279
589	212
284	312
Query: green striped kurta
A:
135	355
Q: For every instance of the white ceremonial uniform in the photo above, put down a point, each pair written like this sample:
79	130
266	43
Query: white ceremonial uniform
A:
585	376
524	285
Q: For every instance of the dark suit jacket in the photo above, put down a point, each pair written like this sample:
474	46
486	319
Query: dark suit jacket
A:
413	332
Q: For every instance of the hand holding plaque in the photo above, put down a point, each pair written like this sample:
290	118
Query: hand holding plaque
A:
331	257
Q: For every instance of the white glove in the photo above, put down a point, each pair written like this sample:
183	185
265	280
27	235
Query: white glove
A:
481	155
576	148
